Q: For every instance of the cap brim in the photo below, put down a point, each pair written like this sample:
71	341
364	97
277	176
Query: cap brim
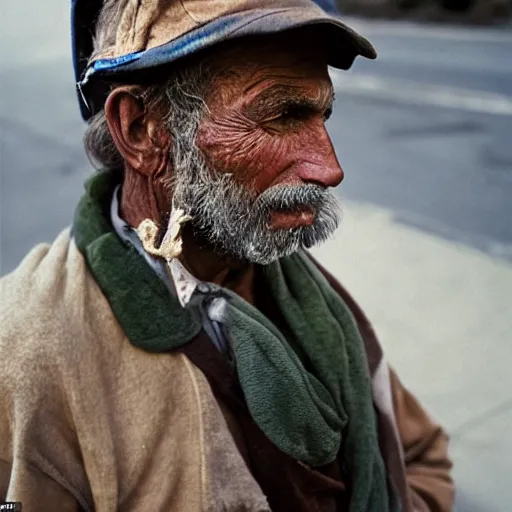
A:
343	45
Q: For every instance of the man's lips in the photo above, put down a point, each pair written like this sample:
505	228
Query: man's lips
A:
292	218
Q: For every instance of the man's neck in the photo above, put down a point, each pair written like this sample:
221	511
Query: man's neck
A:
206	264
143	198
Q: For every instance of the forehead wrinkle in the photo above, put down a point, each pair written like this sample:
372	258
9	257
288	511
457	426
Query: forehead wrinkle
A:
269	72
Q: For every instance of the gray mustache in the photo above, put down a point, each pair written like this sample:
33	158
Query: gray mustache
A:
290	197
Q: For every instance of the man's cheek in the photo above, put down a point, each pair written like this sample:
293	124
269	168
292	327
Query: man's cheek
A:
251	155
270	157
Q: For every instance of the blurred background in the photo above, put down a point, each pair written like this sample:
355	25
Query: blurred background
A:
424	135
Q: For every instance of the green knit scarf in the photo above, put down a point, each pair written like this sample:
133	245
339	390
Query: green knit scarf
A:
313	414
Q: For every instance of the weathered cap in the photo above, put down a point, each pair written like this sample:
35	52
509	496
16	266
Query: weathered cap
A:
152	33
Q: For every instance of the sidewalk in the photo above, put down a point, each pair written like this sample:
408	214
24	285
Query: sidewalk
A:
444	315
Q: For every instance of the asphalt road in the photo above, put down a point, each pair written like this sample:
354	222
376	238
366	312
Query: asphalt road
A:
426	131
424	134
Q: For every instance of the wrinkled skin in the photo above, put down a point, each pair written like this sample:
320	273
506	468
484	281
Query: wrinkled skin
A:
265	125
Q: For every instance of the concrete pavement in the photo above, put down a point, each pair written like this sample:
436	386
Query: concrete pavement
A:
443	314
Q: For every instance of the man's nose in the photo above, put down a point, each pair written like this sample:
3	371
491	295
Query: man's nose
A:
326	169
333	174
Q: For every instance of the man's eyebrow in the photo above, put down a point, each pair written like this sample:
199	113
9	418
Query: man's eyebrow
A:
279	96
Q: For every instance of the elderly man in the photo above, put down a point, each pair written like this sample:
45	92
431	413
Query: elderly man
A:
178	349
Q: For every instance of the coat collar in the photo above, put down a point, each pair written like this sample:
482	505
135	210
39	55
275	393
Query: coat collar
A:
149	314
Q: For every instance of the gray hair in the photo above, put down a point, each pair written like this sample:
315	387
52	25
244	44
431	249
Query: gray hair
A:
179	98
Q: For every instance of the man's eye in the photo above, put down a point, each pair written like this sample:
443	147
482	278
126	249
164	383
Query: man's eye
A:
301	113
295	113
292	116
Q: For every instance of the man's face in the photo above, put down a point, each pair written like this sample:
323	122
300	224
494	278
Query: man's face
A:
257	181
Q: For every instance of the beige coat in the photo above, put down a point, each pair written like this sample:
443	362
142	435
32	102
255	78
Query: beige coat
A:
90	422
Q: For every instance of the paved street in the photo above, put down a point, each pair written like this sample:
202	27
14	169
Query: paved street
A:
424	135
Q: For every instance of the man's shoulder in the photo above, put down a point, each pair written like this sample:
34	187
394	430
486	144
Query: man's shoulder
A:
34	294
49	303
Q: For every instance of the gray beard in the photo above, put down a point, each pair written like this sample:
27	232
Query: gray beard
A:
235	220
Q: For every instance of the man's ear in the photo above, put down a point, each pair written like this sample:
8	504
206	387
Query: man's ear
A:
138	136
